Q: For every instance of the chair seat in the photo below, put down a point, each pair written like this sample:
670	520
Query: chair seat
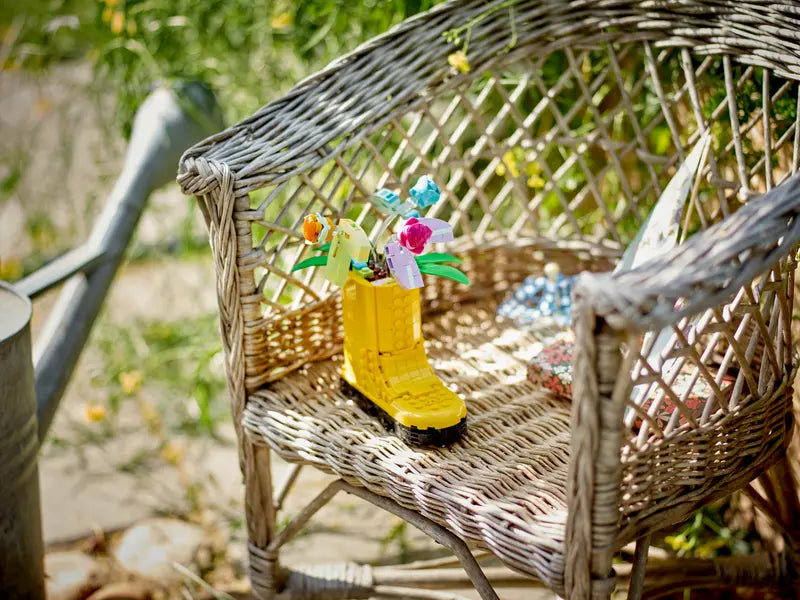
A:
502	487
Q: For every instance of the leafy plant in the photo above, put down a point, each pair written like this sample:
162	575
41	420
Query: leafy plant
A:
177	357
437	257
314	261
398	534
705	536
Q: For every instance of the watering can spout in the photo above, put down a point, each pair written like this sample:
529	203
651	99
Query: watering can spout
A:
168	121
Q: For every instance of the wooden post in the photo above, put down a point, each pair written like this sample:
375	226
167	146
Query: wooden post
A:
21	547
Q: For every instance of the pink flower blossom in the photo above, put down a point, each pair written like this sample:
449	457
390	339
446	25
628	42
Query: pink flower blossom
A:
414	235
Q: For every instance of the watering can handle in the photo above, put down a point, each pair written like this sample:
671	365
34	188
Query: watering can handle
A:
167	122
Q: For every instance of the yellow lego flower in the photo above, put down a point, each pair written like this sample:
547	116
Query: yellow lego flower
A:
459	61
93	413
130	382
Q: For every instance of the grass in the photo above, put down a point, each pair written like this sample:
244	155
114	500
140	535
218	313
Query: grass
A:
10	181
181	359
398	537
705	535
160	378
157	390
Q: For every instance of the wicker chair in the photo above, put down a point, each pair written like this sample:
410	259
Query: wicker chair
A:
550	144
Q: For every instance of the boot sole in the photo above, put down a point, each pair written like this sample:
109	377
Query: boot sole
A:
410	435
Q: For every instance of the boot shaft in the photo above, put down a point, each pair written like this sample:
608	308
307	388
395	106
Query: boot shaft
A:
384	318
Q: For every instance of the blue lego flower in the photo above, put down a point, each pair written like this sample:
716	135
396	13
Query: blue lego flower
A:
386	201
425	192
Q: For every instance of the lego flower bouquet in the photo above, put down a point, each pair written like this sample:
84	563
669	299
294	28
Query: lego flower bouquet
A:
345	246
385	365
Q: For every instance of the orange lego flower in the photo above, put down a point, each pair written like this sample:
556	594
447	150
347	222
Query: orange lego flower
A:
317	229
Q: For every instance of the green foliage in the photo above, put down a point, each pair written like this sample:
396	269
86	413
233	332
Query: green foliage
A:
10	182
42	232
428	264
177	357
398	535
460	36
248	52
706	536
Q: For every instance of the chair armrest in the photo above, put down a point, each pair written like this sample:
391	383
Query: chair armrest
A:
704	271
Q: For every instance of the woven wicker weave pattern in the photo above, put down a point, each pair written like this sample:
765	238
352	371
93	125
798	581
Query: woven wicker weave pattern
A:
553	146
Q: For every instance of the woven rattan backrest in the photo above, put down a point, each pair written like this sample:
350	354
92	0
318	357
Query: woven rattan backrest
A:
561	135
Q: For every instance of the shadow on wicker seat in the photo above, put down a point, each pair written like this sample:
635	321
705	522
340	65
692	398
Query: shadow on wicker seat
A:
502	487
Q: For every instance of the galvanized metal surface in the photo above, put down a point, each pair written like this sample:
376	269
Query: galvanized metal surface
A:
21	548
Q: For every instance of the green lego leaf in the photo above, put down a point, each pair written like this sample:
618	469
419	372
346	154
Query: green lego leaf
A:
437	257
314	261
323	248
444	271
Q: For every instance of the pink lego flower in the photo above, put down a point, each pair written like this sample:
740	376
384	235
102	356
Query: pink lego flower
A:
414	235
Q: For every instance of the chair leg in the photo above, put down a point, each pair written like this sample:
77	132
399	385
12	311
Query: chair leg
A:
266	575
639	563
787	502
782	505
436	532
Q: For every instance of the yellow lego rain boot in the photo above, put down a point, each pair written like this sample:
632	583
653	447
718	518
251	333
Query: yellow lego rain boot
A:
386	365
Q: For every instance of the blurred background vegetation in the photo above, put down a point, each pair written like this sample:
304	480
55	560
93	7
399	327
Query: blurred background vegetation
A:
248	52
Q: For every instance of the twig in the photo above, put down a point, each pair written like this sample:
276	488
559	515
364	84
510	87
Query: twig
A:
199	581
